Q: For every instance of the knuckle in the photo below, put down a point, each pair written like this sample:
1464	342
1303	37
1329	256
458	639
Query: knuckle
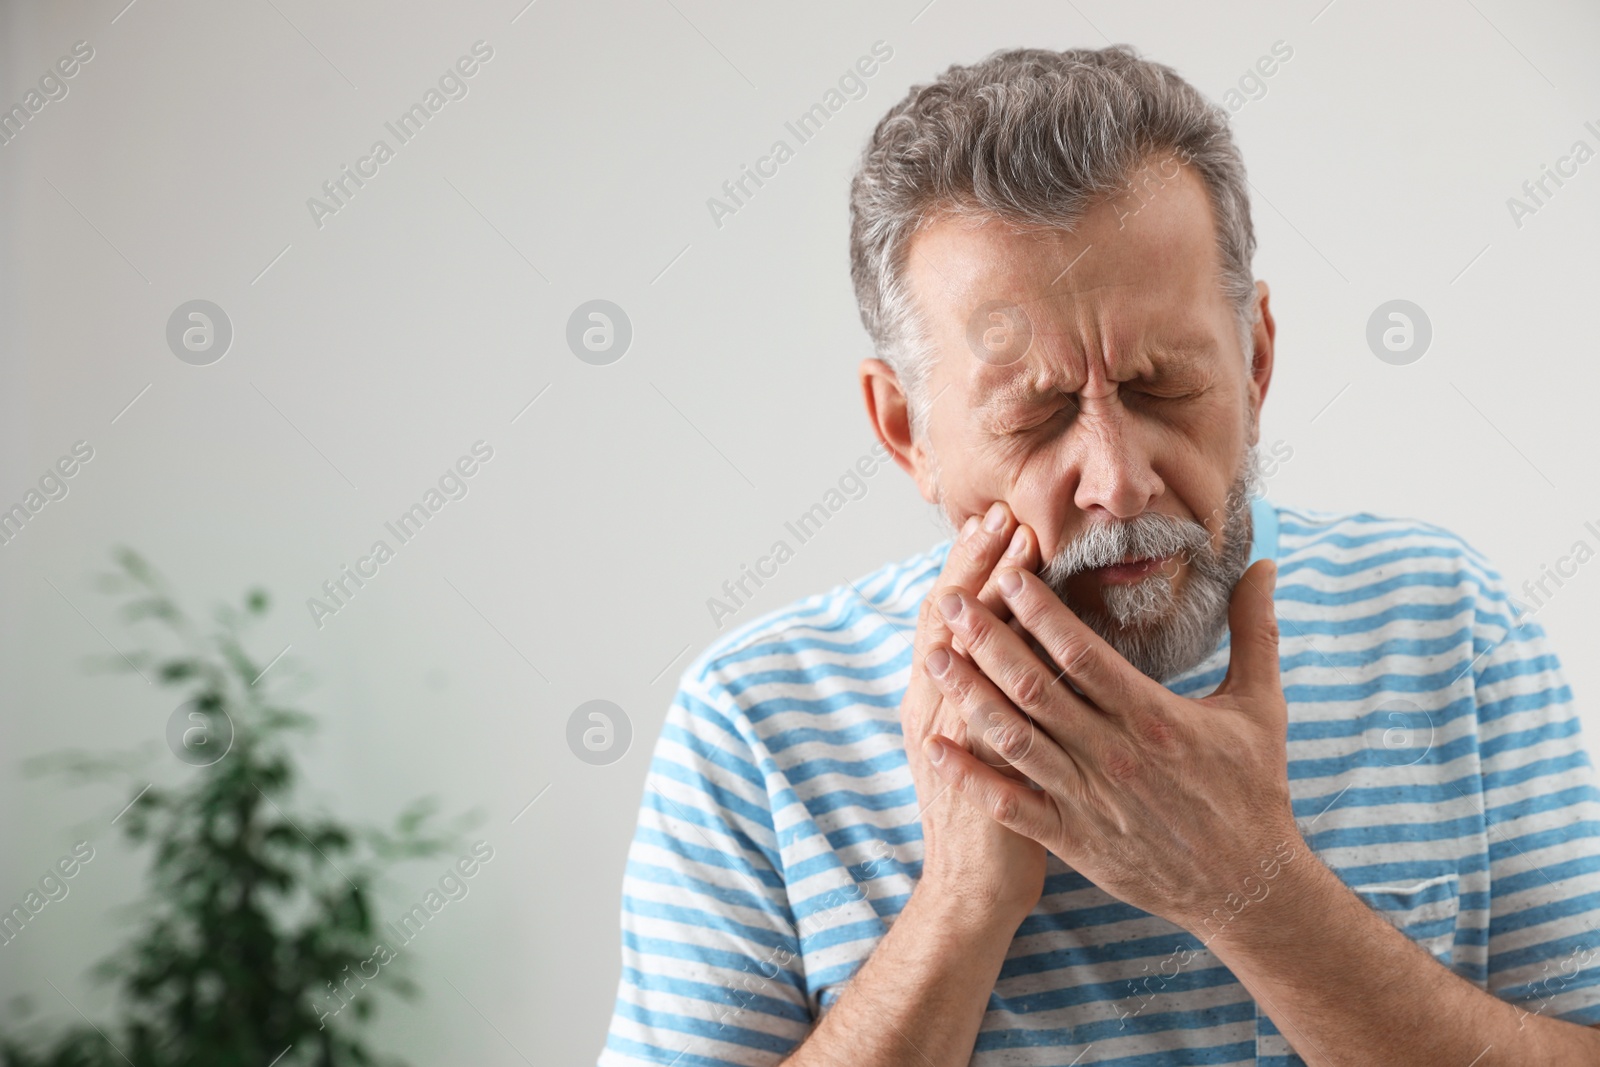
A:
1119	765
960	778
1155	732
1073	655
1028	689
1005	808
1009	739
979	634
959	686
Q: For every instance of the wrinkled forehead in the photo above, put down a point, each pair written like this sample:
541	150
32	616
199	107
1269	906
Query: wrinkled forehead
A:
1135	284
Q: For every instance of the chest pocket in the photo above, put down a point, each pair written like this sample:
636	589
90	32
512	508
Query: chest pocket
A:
1424	909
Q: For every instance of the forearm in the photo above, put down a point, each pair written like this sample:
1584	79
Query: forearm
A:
920	997
1347	988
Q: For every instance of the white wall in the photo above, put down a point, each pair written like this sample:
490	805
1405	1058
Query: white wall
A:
425	314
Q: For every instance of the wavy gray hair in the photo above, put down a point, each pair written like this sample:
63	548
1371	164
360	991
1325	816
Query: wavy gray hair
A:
1034	138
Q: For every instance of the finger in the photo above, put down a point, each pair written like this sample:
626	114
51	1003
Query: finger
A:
1021	552
973	556
1018	747
1081	655
1031	684
1029	812
1253	629
941	663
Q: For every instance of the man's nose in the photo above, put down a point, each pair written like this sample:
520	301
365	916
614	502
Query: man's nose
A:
1113	463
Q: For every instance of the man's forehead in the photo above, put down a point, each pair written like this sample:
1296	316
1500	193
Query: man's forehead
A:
1110	255
1020	312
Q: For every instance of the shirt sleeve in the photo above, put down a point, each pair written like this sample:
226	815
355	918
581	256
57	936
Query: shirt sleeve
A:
1542	811
711	964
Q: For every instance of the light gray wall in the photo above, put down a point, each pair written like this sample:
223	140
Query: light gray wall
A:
426	313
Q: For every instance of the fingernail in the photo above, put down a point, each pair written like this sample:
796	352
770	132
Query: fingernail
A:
969	528
950	605
934	750
938	661
996	518
1019	542
1010	582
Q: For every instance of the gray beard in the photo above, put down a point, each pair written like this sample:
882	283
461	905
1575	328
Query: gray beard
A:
1162	632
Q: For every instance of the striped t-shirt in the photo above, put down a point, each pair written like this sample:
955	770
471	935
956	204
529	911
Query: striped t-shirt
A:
1435	763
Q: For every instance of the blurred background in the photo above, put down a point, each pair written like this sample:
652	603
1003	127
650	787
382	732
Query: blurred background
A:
354	341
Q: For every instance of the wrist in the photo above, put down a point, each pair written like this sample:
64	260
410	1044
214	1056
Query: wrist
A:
966	915
1284	887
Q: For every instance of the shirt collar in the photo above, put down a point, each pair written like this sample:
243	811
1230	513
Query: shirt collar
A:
1264	526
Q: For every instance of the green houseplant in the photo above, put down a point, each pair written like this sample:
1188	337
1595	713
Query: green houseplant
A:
256	911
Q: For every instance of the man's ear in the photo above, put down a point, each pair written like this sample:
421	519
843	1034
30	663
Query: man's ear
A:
1263	339
890	414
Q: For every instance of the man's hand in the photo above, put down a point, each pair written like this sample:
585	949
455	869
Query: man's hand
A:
969	861
1171	804
920	998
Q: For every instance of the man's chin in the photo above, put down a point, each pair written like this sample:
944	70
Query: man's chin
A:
1132	639
1161	595
1160	644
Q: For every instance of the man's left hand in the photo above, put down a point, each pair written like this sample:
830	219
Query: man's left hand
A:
1177	806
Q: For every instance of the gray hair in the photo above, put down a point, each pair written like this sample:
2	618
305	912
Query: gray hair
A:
1033	138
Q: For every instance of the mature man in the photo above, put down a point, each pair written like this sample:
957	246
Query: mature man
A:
1060	791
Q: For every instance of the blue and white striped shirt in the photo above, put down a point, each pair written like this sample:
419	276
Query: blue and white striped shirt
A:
1435	762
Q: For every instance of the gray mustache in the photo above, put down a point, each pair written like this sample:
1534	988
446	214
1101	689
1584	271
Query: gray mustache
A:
1106	543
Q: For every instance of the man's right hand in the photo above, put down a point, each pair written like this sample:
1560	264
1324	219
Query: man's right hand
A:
920	998
972	864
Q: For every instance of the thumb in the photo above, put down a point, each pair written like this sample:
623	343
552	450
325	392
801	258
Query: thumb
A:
1253	623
